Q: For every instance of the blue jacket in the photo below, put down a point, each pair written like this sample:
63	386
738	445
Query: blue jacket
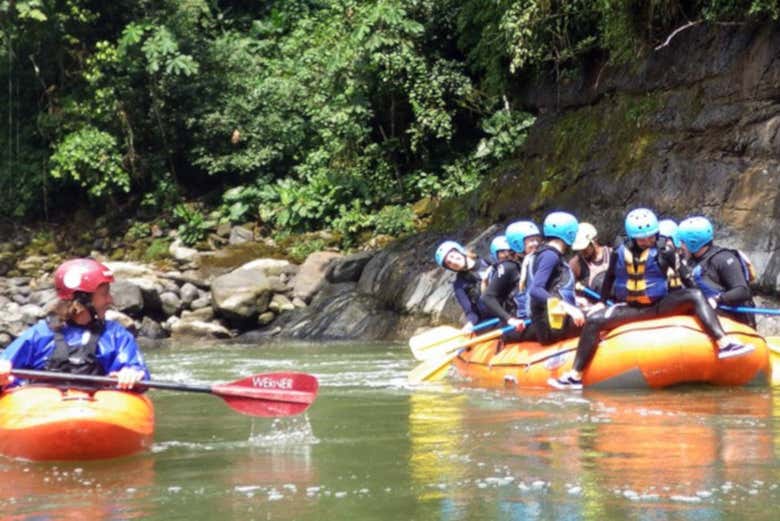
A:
116	347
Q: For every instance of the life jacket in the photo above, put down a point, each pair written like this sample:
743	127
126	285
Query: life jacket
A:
639	280
707	281
561	280
593	272
76	359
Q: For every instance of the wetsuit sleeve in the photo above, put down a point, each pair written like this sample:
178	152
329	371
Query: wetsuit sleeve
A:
499	289
574	264
685	271
546	263
122	351
465	302
609	277
730	275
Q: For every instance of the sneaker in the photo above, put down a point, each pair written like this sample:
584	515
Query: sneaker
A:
734	349
566	382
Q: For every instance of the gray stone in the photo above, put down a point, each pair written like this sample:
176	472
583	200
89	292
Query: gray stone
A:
236	295
349	268
20	299
151	329
270	267
127	297
205	314
298	303
31	313
240	235
5	339
171	303
189	293
265	318
182	253
201	302
280	303
198	329
312	274
117	316
42	298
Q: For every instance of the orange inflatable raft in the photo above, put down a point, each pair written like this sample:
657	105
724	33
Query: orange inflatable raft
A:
39	422
645	354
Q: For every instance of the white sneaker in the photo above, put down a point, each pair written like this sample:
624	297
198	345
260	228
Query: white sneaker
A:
734	349
566	382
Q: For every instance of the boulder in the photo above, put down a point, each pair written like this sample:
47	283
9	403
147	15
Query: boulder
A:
182	253
170	302
265	318
122	318
127	297
240	235
236	295
43	298
349	268
151	329
201	302
312	274
198	329
280	303
204	314
189	293
271	267
130	270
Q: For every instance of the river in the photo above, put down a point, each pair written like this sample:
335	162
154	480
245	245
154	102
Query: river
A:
373	448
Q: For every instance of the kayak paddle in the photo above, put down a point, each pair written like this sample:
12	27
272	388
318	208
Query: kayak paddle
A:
268	395
435	368
429	344
743	309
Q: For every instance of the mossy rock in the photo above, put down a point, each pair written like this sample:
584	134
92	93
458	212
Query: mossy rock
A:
236	255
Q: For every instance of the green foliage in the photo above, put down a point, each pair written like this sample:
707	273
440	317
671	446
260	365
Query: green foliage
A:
137	231
193	227
303	247
157	250
91	158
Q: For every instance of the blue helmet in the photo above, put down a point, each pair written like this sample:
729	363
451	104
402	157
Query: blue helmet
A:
561	225
446	247
498	244
668	228
641	223
517	232
695	232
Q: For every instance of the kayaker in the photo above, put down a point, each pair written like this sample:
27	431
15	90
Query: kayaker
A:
550	277
638	272
500	297
722	274
589	263
470	270
76	338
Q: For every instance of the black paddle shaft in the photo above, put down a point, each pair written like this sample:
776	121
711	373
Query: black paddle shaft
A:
83	378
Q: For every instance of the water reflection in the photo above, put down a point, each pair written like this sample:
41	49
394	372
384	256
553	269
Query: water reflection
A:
688	454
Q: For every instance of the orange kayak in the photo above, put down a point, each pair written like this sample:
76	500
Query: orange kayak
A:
39	422
645	354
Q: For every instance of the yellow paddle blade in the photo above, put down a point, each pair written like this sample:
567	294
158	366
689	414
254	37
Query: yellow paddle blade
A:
555	313
427	344
432	368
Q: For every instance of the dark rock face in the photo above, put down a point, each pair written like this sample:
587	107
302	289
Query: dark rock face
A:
693	129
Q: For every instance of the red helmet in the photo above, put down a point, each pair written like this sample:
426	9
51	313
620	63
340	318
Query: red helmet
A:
80	275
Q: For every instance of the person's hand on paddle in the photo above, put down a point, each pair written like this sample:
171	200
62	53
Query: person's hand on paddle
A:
576	314
518	324
468	328
5	373
127	377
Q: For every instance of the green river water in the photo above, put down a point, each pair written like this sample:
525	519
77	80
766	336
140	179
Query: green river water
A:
373	448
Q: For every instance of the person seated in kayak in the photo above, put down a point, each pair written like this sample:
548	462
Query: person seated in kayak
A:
76	338
551	281
499	251
722	274
470	270
638	272
667	234
500	295
589	263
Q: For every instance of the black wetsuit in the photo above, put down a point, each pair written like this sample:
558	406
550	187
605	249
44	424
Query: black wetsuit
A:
719	274
498	297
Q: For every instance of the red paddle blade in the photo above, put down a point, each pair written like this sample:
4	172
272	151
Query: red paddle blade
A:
269	395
